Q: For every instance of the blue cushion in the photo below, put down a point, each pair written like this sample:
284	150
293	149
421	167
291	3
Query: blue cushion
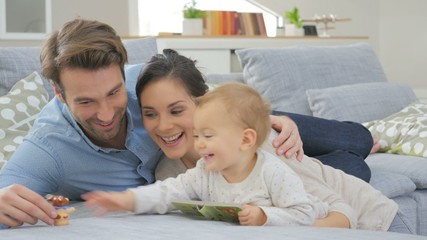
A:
408	206
140	50
391	184
282	75
16	63
131	75
360	102
420	197
413	167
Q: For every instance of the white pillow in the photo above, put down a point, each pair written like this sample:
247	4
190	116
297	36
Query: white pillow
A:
359	102
18	110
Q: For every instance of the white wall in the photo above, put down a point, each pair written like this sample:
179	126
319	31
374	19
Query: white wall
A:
403	41
117	13
363	14
395	29
112	12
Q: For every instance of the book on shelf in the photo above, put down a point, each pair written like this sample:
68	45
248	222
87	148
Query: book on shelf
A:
209	210
224	23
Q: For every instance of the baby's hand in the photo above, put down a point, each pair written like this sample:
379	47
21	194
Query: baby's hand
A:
252	216
104	202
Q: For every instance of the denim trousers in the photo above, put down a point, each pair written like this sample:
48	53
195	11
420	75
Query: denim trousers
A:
340	144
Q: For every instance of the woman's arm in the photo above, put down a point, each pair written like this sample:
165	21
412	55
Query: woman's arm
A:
341	145
321	136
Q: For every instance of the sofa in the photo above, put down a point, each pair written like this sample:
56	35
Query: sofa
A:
328	82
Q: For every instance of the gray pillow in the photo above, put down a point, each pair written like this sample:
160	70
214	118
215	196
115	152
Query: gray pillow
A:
360	102
140	50
17	63
282	75
413	167
224	78
391	184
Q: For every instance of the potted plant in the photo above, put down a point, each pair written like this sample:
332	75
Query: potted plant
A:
294	27
193	19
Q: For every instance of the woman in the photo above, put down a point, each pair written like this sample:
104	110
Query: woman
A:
166	88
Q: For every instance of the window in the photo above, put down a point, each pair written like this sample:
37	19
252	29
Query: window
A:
29	19
166	15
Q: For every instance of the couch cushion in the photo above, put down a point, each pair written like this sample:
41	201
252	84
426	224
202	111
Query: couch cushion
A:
391	184
131	74
17	63
282	75
409	207
420	197
360	102
413	167
140	50
224	78
18	110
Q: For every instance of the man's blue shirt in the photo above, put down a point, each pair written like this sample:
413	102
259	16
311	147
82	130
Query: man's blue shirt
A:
57	157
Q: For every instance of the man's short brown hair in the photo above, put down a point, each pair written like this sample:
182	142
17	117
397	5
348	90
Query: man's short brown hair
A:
83	44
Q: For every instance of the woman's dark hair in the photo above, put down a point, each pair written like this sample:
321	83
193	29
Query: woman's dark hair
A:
172	65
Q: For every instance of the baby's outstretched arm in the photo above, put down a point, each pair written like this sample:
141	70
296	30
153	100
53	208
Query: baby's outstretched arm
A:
110	201
252	216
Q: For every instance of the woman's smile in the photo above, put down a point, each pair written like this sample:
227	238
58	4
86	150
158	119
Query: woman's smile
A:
173	140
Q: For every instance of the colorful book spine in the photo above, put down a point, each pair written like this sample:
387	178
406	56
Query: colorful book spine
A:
229	23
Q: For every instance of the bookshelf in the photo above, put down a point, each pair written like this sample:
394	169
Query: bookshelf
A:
226	23
215	54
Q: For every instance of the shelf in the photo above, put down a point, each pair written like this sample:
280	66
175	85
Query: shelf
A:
215	54
238	42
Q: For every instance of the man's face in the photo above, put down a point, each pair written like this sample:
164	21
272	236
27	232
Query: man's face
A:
97	99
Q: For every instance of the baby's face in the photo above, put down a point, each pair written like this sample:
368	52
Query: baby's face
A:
217	138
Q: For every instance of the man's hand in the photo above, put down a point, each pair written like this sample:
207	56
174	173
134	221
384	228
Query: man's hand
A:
19	205
288	142
252	216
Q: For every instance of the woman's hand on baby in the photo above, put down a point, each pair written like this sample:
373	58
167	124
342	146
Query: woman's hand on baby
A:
104	202
252	216
288	142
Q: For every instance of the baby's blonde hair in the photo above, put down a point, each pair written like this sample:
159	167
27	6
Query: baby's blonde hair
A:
244	105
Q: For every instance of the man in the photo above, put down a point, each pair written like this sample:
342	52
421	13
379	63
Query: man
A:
90	136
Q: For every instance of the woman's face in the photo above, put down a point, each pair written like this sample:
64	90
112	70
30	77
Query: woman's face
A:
167	112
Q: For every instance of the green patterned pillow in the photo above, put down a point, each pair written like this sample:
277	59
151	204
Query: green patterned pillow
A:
18	110
404	132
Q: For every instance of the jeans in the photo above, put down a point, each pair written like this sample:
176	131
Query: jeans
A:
342	145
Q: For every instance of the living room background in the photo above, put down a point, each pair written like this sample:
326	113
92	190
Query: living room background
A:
393	26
